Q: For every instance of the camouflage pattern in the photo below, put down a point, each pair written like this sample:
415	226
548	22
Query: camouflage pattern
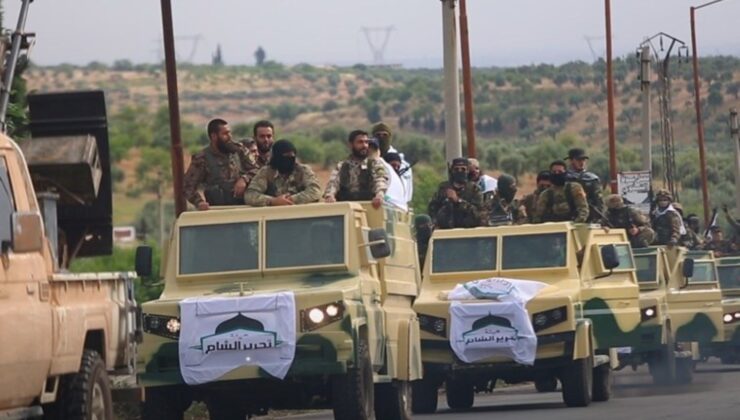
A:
627	217
554	204
498	212
301	185
530	204
592	186
213	174
667	227
447	214
377	183
691	240
721	248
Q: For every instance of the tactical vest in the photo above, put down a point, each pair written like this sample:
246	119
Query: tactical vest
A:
364	191
219	191
550	216
620	218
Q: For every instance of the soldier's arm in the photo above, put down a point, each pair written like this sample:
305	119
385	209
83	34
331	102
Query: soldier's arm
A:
194	177
731	220
676	223
541	206
332	187
380	179
520	214
581	203
311	192
255	194
435	204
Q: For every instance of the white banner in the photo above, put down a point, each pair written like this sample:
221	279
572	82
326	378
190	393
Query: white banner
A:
634	187
221	334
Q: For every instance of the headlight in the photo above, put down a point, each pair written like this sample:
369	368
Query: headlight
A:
162	325
648	313
728	318
731	317
546	319
319	316
433	325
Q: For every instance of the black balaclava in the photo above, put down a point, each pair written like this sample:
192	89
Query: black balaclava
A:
558	179
507	187
282	164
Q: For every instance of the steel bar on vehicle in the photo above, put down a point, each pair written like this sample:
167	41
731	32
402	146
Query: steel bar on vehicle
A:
15	51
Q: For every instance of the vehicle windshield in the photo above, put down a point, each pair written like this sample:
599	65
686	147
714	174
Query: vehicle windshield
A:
219	248
625	257
703	273
647	268
304	242
729	277
464	254
534	251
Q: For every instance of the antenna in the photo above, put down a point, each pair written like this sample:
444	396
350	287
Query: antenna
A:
194	39
378	50
591	47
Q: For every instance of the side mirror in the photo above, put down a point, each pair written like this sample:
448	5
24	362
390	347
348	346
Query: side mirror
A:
609	257
378	242
688	270
144	261
28	232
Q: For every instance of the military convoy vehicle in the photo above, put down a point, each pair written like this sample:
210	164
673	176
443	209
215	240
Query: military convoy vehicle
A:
728	351
304	306
68	331
588	306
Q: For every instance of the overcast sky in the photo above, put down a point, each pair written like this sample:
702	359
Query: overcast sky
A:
502	32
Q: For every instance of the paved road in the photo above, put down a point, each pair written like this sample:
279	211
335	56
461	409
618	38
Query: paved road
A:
714	394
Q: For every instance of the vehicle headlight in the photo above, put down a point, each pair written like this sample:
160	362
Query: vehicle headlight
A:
319	316
648	313
546	319
162	325
731	317
728	318
433	325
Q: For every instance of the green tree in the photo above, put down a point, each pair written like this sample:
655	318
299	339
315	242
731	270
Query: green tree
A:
259	56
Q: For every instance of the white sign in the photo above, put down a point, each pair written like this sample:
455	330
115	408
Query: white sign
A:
634	187
220	334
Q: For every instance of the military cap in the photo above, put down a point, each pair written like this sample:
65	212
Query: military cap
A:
461	161
373	142
614	201
577	153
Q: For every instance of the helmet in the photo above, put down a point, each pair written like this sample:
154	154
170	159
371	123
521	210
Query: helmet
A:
663	193
614	201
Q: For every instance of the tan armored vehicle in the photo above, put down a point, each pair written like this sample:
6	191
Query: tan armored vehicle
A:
586	306
285	307
62	333
728	351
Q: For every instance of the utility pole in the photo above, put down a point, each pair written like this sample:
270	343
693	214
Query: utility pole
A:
735	134
467	81
647	133
453	132
610	100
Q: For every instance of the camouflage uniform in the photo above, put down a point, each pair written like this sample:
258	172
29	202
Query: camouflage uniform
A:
667	228
447	214
592	186
497	212
211	176
691	240
301	185
562	203
530	204
626	217
357	180
721	248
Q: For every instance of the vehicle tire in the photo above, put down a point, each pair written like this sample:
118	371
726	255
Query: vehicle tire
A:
460	393
393	400
684	370
663	363
602	389
424	397
84	395
353	392
165	402
225	409
577	380
546	384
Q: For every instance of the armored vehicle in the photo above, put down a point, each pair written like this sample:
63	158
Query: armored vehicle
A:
304	306
586	306
728	351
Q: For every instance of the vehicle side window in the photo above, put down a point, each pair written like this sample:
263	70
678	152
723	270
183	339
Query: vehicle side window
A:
6	203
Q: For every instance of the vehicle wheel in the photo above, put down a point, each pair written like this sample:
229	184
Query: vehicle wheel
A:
225	409
577	380
86	394
352	393
165	402
546	384
663	364
602	390
684	370
393	400
424	396
460	393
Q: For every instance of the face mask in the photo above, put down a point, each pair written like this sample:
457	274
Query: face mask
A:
558	179
507	193
459	177
284	164
385	144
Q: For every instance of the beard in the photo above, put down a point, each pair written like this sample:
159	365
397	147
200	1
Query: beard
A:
264	147
359	153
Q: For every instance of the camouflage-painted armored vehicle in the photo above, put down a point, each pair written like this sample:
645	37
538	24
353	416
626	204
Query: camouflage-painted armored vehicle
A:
587	305
285	307
728	351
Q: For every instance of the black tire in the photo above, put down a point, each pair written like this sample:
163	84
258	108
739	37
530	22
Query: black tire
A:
425	396
546	384
577	380
602	389
84	395
225	409
165	402
353	392
684	370
460	393
393	400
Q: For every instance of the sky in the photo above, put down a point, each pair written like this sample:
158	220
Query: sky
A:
323	32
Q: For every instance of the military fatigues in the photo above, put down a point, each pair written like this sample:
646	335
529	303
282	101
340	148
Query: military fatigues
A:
562	203
357	180
530	205
667	227
721	248
447	214
691	240
592	186
625	218
498	212
301	185
211	176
